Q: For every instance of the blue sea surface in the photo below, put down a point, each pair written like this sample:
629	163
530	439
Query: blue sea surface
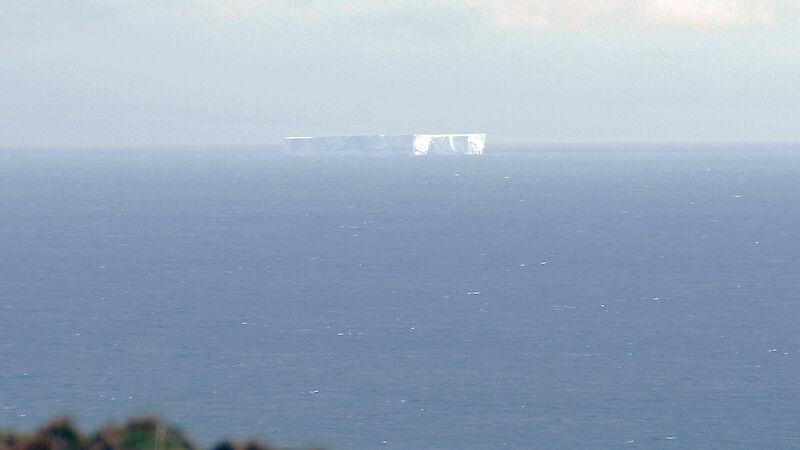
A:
619	297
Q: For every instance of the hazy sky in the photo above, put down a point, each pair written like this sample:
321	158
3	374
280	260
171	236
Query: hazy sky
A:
210	72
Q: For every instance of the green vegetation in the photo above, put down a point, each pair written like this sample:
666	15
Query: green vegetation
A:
144	433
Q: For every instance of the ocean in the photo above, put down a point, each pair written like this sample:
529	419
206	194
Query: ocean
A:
554	297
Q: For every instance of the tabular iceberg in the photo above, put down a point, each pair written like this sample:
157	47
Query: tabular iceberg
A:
398	144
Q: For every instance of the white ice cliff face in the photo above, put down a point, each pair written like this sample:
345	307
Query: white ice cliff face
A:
402	144
449	144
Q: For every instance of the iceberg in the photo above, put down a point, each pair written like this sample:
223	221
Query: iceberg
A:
389	144
449	144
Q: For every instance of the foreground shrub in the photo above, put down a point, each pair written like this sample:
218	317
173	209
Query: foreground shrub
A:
145	433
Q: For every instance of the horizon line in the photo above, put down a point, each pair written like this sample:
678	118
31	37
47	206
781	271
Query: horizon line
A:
489	144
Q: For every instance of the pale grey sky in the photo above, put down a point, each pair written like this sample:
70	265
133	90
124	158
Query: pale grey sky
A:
230	72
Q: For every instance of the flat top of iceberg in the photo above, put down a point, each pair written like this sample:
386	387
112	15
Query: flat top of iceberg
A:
385	135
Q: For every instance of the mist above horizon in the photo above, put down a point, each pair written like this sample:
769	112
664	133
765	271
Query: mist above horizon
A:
150	72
